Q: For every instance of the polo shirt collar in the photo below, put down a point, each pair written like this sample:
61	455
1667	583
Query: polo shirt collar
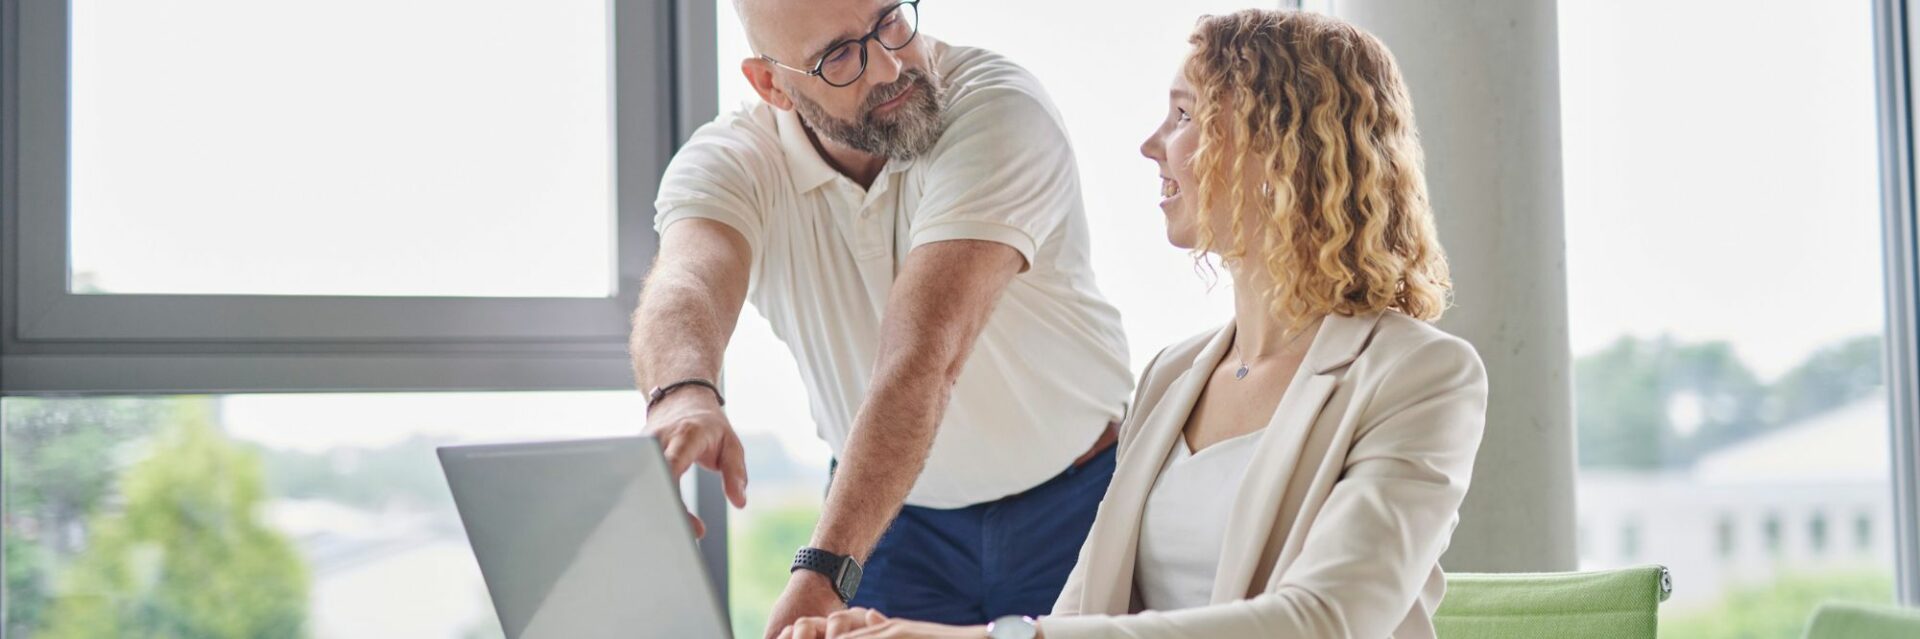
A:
809	170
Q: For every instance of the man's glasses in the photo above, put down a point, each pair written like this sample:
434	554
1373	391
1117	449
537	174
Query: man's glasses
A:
845	61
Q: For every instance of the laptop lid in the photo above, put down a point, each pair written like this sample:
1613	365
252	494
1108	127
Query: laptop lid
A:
582	539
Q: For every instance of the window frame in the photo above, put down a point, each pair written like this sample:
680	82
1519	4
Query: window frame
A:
1895	58
59	341
56	342
696	102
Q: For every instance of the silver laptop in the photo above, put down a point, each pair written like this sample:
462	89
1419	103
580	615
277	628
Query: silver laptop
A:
583	539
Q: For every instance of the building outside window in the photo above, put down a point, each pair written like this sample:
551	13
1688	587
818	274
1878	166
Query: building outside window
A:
1725	298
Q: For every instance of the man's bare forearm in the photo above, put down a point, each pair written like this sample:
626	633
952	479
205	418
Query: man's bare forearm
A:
883	458
941	304
676	332
689	305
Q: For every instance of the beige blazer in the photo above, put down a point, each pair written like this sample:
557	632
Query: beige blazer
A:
1337	528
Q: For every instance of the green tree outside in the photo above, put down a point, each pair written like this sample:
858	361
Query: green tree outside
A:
1624	392
1620	407
1831	376
1778	610
58	469
760	551
27	588
187	557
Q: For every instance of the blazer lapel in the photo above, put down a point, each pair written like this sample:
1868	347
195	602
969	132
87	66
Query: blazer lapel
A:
1257	502
1109	587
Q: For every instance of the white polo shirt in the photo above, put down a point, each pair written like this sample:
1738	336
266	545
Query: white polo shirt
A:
1050	368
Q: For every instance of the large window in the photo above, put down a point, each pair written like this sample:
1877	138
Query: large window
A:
234	196
256	515
226	147
215	209
1724	260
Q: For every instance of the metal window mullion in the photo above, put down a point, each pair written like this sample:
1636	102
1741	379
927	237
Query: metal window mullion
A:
695	101
1892	28
9	126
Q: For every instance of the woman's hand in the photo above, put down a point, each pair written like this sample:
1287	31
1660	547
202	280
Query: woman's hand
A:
861	623
903	629
838	624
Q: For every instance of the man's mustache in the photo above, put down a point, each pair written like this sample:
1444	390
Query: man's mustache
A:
881	95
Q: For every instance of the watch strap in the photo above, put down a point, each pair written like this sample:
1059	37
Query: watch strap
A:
842	571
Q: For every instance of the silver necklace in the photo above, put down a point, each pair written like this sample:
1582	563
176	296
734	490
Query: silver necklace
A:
1241	373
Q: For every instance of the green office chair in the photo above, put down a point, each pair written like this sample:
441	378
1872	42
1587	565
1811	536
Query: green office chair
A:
1838	620
1607	604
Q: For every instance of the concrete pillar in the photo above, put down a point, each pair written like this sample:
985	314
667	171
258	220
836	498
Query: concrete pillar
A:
1484	75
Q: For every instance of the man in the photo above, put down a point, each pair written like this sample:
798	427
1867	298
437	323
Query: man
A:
907	216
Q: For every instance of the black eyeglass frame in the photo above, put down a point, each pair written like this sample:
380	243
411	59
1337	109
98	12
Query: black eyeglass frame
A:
872	35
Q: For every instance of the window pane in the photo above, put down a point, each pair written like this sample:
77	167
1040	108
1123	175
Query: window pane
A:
1723	254
361	147
268	515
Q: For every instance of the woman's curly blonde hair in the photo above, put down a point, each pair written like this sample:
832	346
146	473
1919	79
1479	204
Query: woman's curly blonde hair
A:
1316	109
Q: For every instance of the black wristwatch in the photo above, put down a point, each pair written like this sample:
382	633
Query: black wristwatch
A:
842	570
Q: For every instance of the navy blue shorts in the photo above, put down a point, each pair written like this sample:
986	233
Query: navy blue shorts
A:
971	565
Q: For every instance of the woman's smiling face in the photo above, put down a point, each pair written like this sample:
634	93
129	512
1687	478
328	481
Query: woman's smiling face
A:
1172	147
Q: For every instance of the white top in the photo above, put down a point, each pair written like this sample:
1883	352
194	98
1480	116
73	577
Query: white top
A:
1185	521
1049	370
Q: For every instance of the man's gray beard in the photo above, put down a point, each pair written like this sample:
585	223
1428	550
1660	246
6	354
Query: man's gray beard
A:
911	130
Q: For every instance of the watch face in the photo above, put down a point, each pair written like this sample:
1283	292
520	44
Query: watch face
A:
849	582
1012	627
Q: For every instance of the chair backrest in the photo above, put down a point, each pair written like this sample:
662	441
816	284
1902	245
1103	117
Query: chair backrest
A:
1606	604
1837	620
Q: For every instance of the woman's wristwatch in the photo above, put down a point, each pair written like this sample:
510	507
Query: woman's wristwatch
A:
1012	627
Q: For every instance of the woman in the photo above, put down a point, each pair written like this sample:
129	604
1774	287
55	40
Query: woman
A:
1298	472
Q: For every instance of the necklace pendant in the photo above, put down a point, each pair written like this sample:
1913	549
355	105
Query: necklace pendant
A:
1242	373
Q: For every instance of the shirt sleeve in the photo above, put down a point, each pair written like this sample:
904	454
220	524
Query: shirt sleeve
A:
1002	172
717	175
